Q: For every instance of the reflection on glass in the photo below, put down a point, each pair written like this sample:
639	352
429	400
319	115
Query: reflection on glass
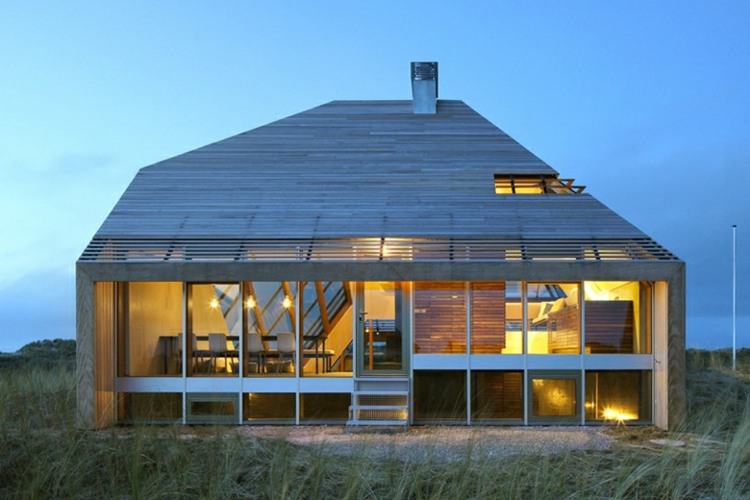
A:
440	317
215	326
617	317
554	318
149	333
496	396
439	396
618	396
553	397
487	317
382	326
327	328
269	407
149	407
271	342
325	407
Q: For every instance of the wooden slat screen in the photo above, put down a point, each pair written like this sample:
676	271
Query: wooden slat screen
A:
496	395
609	326
440	317
564	331
487	317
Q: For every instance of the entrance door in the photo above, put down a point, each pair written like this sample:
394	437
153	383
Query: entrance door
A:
380	330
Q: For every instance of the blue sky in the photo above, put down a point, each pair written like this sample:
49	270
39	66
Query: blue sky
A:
646	103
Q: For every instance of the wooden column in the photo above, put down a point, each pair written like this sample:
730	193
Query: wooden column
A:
85	351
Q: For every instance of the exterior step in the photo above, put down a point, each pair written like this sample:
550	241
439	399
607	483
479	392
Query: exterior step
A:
381	401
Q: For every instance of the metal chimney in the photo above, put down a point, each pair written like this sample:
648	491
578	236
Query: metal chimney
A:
424	87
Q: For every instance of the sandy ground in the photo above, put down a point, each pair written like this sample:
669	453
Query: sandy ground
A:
439	442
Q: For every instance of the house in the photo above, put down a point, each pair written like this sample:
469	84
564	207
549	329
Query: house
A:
375	262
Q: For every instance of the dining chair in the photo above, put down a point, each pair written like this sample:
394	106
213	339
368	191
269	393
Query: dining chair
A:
199	355
286	346
217	345
256	351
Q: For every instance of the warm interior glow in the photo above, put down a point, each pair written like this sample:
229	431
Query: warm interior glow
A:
287	303
620	416
214	304
250	302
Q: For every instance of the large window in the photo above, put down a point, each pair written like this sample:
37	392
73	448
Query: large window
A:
214	328
488	313
440	317
554	318
618	317
327	326
271	342
149	329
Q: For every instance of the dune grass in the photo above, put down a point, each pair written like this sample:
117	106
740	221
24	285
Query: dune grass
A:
43	455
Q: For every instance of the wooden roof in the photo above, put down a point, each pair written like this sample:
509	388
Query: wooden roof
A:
356	169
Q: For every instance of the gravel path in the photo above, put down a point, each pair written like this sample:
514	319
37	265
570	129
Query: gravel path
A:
440	442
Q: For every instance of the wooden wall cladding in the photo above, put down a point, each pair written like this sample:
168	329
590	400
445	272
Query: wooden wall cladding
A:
440	317
104	337
487	317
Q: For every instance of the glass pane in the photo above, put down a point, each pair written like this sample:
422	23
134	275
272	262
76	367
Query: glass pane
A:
271	341
496	396
618	396
554	397
554	318
150	407
215	326
440	396
269	407
213	408
488	319
382	328
325	407
151	325
617	317
327	323
513	318
440	317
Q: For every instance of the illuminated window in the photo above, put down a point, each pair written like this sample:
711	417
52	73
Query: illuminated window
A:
618	397
618	317
554	396
535	184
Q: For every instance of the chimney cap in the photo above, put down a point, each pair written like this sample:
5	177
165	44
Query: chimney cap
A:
425	71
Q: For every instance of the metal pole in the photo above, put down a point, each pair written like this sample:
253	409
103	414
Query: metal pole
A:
734	297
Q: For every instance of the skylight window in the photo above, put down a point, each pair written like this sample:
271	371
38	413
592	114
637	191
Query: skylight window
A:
535	184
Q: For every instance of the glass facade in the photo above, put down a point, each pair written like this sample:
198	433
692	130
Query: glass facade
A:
450	338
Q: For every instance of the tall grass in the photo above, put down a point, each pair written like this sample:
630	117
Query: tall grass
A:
43	455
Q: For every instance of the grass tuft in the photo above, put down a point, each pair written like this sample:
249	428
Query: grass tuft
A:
45	456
